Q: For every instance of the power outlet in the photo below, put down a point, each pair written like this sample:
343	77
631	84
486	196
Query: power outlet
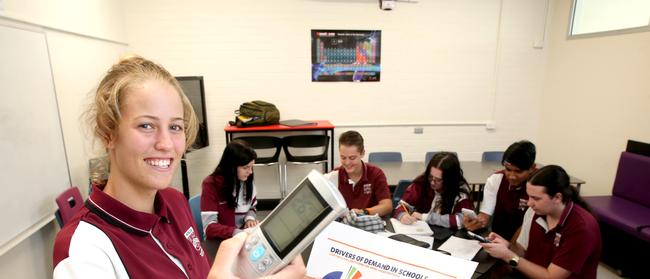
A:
418	130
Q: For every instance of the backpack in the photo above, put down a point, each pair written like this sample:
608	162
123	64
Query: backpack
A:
257	113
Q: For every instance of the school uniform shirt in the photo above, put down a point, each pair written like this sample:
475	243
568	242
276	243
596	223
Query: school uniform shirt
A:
367	192
107	239
574	244
219	220
506	204
416	198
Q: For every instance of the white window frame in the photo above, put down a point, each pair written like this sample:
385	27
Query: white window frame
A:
570	35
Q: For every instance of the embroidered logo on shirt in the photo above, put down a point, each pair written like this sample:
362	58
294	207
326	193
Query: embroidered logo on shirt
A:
367	188
556	241
191	236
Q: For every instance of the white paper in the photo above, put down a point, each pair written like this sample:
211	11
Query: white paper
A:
460	247
341	251
418	228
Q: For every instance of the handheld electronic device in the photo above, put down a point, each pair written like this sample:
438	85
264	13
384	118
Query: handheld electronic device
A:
469	213
290	227
478	237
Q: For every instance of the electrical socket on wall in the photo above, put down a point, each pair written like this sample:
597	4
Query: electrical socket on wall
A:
418	130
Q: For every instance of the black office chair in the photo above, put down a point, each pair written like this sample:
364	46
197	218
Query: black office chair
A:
268	152
305	145
374	157
399	191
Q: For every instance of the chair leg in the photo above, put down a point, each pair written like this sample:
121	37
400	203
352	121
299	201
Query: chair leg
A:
280	179
283	187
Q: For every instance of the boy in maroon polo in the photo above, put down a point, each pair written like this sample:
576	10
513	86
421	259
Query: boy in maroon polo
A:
559	238
363	185
504	195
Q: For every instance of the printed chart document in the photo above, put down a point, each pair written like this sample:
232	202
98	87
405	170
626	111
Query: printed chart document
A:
417	228
460	247
342	251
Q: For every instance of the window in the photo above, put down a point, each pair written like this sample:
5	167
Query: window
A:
606	17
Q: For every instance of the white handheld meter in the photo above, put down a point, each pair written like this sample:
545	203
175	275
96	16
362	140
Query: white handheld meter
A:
290	227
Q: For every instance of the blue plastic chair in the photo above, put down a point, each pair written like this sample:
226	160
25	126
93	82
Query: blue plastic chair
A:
430	154
492	156
374	157
195	206
399	191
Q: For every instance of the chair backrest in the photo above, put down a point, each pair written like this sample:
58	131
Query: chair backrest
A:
632	180
306	141
399	190
195	206
262	144
374	157
69	203
430	154
492	156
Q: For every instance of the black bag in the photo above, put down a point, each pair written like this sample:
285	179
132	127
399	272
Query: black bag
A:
257	113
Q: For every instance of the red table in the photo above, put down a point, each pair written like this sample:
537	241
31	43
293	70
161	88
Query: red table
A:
321	125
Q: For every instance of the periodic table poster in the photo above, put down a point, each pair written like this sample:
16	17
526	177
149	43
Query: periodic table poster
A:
345	55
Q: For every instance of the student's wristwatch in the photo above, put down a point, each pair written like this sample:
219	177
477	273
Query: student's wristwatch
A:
366	212
514	261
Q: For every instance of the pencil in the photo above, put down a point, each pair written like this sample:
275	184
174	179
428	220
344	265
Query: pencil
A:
405	209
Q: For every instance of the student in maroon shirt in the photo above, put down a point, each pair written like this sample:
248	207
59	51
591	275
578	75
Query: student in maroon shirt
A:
362	185
504	194
136	226
228	198
438	195
559	237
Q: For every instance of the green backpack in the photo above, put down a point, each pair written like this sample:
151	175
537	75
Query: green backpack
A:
257	113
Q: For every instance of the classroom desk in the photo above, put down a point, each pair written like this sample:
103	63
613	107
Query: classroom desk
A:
441	234
485	261
321	125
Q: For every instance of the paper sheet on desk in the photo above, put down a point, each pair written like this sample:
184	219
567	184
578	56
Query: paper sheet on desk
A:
417	228
460	247
340	251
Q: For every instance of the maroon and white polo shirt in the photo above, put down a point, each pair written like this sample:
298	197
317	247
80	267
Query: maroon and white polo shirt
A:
107	239
573	244
367	192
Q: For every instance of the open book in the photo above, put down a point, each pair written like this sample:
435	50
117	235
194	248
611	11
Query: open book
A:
417	228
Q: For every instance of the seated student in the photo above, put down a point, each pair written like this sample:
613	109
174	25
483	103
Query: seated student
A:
559	237
136	226
438	195
363	185
504	195
228	199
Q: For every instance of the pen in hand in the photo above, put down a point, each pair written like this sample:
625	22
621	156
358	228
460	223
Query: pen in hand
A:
405	209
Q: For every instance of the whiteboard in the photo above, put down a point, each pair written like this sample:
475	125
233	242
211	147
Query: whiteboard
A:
33	168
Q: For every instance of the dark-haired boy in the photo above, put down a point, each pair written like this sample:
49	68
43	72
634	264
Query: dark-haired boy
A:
504	195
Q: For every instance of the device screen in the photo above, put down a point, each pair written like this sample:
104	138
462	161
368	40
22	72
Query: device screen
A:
295	218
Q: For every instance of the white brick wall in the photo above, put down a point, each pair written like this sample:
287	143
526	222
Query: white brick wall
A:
443	62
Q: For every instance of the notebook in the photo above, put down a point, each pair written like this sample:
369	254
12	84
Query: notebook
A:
297	122
417	228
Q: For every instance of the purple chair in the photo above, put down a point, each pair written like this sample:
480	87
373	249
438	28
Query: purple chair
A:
69	202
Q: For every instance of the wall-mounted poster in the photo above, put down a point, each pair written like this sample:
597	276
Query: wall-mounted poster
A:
345	55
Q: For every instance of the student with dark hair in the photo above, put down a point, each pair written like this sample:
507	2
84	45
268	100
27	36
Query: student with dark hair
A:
438	195
559	237
363	185
504	195
228	199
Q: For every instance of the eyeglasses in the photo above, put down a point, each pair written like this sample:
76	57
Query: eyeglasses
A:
434	179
